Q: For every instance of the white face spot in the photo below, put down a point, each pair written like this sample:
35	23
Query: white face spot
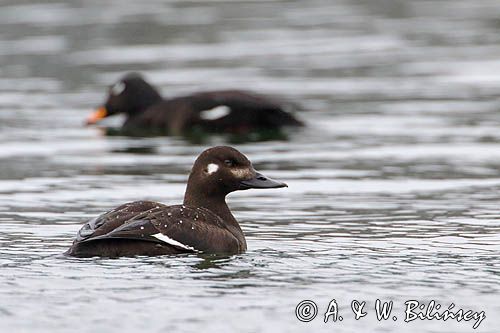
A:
242	173
118	88
211	168
215	113
173	242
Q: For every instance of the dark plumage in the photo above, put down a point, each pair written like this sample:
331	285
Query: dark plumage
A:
203	223
232	111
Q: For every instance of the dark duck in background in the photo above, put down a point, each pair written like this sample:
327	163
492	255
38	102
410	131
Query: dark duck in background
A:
224	111
203	223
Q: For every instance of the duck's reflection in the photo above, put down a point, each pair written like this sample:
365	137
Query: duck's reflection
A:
209	261
197	135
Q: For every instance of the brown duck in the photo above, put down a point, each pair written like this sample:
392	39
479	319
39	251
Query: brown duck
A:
203	223
230	111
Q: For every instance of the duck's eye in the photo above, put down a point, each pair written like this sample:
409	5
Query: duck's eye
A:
229	163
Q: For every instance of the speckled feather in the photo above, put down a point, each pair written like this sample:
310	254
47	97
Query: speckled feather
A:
109	221
195	227
138	222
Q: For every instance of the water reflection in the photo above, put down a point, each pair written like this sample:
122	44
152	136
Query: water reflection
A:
199	136
212	261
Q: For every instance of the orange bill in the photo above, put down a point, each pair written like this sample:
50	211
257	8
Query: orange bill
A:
97	115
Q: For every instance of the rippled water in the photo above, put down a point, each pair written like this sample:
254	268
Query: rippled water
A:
394	184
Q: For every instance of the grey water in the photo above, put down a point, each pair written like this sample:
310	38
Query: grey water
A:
394	184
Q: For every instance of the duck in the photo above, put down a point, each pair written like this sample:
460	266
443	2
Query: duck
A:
222	111
203	223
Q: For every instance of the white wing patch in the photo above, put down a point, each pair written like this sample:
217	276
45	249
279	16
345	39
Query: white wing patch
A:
211	168
173	242
118	88
215	113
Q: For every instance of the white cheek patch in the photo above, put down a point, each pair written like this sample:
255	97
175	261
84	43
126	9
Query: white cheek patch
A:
211	168
118	88
215	113
242	173
173	242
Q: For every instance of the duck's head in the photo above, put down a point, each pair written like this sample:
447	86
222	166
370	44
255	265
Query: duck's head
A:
130	95
221	170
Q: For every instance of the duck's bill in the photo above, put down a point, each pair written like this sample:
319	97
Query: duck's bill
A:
261	181
97	116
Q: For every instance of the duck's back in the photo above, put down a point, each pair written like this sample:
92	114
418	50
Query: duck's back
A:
226	110
151	228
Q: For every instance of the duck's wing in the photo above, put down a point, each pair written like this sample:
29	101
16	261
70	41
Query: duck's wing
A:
183	228
122	218
234	107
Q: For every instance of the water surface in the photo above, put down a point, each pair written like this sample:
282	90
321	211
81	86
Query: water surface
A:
393	185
